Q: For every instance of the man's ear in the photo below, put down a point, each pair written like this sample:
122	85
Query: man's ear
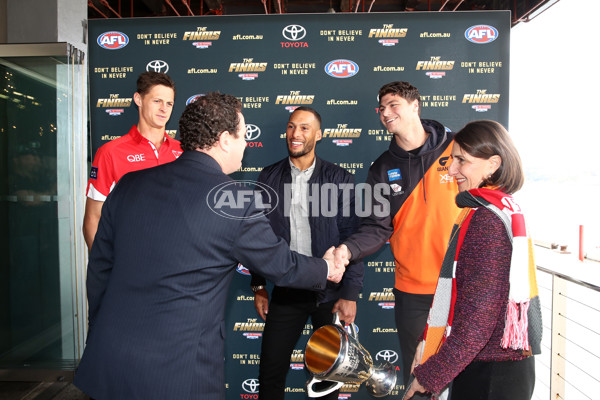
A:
137	98
224	141
319	135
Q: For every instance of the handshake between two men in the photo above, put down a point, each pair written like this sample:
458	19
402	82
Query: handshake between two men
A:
337	260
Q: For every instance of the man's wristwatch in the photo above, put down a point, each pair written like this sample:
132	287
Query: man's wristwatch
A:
256	288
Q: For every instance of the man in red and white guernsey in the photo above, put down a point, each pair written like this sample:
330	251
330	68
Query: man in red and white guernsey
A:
146	145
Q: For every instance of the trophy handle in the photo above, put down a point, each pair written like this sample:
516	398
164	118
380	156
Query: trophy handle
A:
352	330
312	393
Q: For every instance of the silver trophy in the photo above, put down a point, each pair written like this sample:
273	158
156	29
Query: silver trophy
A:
335	356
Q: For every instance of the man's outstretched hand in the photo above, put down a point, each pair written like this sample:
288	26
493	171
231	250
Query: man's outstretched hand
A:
336	270
342	255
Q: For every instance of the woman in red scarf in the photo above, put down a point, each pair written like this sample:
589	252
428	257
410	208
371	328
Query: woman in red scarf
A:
485	320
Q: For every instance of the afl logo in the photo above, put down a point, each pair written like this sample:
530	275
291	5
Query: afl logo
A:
113	40
193	98
481	34
242	270
252	132
341	68
230	199
294	32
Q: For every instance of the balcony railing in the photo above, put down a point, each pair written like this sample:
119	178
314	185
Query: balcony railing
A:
569	366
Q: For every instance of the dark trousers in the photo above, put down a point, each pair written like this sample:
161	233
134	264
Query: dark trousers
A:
283	327
499	380
411	311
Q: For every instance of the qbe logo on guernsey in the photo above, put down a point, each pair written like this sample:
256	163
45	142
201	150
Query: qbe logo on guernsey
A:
113	40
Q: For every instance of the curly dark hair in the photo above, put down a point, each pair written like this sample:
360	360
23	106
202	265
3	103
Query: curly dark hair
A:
403	89
147	80
203	120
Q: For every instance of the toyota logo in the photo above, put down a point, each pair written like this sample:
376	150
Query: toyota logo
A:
157	66
252	132
294	32
387	355
250	385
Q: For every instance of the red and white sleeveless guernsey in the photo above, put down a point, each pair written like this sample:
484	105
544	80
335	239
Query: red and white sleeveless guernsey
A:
128	153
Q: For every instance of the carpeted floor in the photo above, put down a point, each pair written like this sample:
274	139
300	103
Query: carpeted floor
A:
40	391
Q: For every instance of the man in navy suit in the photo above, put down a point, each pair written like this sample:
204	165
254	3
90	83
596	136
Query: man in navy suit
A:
168	242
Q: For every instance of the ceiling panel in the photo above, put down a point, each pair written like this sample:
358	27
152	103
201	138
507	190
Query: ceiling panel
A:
520	10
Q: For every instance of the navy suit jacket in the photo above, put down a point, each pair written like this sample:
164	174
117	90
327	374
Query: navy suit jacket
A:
160	267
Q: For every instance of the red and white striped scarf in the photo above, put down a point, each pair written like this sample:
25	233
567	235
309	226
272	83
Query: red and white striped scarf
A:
523	326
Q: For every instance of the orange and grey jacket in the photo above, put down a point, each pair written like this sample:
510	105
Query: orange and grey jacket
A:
422	209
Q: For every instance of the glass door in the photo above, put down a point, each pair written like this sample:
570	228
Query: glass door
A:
41	157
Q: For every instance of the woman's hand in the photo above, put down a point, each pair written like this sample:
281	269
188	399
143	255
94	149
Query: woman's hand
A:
414	387
418	356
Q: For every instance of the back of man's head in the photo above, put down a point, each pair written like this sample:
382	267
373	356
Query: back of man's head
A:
400	88
203	120
147	80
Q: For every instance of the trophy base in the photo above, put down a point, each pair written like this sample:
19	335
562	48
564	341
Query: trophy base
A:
382	380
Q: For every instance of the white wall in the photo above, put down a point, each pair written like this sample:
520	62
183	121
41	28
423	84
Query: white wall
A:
553	110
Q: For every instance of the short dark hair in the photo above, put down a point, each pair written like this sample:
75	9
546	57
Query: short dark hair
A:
310	110
486	138
206	118
400	88
147	80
